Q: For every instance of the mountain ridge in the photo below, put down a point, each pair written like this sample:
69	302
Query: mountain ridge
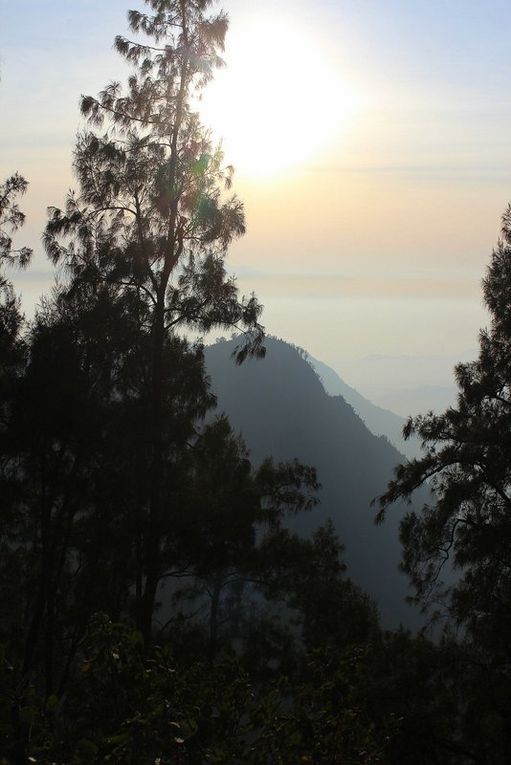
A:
380	421
280	407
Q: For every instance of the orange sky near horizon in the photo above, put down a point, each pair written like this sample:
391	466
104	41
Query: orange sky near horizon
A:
373	237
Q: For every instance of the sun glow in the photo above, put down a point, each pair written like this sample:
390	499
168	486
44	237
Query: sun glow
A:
280	101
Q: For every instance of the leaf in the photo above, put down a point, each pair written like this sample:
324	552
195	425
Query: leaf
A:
136	638
27	715
52	702
119	739
86	750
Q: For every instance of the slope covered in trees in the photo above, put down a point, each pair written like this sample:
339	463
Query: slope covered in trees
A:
280	407
381	422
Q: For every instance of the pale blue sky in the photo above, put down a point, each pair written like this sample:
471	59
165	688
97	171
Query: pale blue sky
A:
377	243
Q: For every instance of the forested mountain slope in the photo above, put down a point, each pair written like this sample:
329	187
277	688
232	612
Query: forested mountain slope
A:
281	408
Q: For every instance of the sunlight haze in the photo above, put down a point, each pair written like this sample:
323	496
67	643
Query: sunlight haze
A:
372	153
281	102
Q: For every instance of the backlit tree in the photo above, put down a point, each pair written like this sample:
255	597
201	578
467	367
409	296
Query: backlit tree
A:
153	214
467	524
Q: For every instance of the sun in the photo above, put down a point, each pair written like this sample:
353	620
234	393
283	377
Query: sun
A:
280	100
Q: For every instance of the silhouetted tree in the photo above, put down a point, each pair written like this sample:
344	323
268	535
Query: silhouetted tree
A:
11	320
11	219
152	217
13	354
231	514
467	465
12	351
335	613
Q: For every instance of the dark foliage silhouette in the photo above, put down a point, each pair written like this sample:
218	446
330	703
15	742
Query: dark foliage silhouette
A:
153	216
467	459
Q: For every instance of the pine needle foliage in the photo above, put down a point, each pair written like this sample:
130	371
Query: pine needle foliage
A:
467	464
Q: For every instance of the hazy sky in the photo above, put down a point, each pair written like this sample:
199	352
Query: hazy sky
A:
373	150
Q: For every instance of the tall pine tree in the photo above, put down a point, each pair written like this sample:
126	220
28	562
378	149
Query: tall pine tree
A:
153	217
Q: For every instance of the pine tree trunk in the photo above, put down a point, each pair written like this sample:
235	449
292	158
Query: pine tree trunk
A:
213	618
153	524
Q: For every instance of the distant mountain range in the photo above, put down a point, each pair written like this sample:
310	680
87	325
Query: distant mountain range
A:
420	399
407	385
381	422
281	408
